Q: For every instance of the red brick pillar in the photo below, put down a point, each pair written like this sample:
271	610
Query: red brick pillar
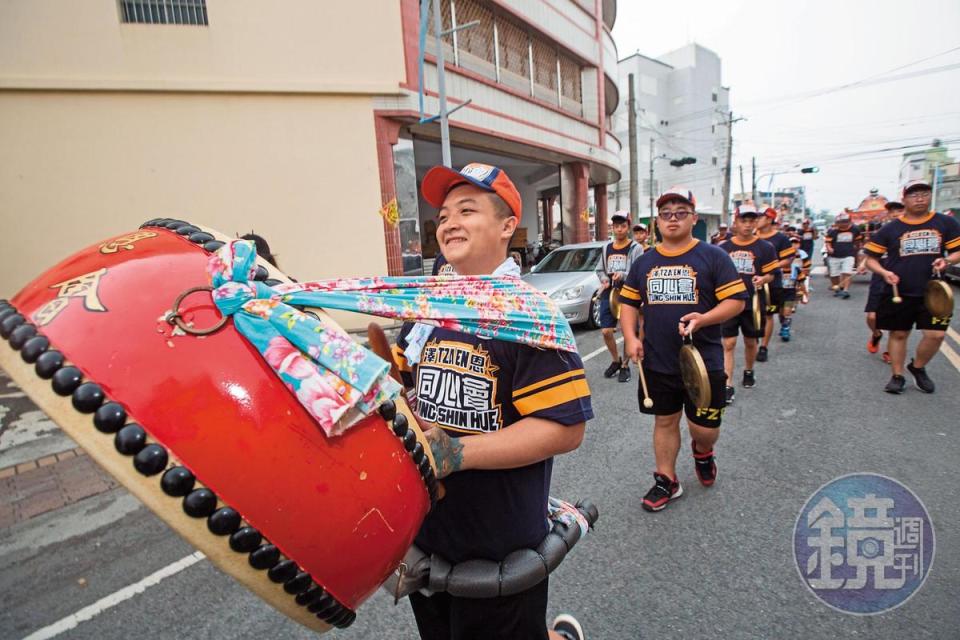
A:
577	176
388	132
600	199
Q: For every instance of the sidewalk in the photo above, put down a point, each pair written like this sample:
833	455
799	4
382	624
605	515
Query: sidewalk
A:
61	474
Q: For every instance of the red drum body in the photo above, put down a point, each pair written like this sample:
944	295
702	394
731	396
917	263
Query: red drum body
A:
203	431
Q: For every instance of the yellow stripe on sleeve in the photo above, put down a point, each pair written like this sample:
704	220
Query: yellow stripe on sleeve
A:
630	294
554	396
543	383
732	283
786	253
770	266
400	359
873	247
731	291
953	244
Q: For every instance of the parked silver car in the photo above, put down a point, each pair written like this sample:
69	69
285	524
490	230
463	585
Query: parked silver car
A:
568	275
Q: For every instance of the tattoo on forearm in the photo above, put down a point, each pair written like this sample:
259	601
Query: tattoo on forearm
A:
447	452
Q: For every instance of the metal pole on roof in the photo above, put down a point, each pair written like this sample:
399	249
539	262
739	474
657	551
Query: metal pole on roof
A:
441	87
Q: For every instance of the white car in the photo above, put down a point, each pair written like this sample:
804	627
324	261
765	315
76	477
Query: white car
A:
568	275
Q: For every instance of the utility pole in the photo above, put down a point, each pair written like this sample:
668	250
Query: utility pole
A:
743	191
650	227
726	171
441	88
753	180
634	169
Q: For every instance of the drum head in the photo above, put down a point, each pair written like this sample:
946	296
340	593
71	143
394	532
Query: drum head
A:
938	299
615	303
695	378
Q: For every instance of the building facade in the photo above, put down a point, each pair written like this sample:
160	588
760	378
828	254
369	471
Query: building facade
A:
682	112
299	121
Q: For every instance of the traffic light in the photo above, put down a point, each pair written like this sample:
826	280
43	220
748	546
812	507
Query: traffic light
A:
810	170
679	162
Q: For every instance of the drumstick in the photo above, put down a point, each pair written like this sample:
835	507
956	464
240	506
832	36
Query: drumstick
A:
839	286
647	402
896	295
381	346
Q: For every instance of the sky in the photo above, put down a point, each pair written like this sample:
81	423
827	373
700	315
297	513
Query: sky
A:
776	54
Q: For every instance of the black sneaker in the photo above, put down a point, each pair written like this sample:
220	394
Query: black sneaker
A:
844	295
762	354
663	491
568	627
705	465
730	394
612	369
749	379
920	377
896	384
624	375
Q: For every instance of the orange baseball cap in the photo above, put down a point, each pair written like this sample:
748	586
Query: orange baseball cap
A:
439	180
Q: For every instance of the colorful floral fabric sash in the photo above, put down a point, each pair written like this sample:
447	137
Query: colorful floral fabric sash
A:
335	379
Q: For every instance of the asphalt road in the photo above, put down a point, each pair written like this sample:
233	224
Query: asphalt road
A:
717	564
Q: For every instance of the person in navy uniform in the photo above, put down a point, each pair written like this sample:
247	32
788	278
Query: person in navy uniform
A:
755	260
767	230
877	285
495	414
916	244
682	287
618	254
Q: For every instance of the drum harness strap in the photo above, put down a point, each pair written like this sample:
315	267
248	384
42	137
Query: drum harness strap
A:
521	570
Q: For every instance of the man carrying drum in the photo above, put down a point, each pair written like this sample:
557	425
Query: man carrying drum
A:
915	245
495	414
755	261
767	230
683	287
618	255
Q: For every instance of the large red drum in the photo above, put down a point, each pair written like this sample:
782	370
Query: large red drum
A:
205	433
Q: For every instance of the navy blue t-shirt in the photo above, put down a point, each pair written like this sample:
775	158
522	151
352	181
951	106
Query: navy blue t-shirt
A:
784	250
844	241
754	258
912	246
666	286
469	386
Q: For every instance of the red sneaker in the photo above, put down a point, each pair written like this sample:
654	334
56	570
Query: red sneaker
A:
705	465
663	491
873	344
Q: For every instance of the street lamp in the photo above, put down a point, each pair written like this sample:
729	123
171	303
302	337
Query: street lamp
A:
772	174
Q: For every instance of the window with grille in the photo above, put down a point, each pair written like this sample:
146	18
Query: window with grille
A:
164	11
475	45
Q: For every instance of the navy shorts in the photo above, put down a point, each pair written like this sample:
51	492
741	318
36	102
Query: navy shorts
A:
607	321
775	303
874	297
743	323
909	313
670	396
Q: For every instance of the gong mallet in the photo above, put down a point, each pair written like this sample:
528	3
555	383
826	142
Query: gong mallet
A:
647	401
896	295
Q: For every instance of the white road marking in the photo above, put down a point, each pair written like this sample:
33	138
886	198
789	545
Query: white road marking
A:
115	598
952	355
953	334
15	394
594	354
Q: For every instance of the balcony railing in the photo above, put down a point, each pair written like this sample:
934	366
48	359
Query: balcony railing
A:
503	50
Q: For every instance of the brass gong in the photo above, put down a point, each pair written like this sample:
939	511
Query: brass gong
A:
694	373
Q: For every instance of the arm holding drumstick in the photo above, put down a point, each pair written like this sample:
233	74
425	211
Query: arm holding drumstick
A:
631	323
